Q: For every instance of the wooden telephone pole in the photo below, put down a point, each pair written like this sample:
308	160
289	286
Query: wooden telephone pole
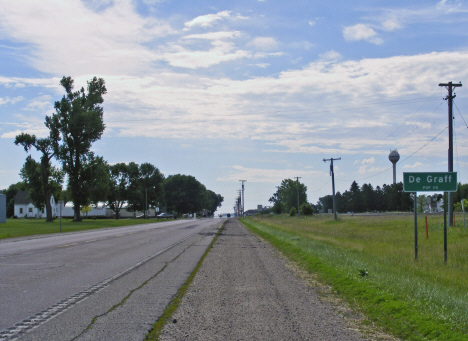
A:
333	182
450	86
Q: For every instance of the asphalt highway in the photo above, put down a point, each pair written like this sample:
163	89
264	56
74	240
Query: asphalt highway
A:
108	284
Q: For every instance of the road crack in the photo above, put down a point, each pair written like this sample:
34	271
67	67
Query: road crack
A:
122	302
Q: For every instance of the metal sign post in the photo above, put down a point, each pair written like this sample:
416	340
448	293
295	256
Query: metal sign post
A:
430	182
463	209
416	225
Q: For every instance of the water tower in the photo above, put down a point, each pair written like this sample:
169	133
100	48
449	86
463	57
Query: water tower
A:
394	157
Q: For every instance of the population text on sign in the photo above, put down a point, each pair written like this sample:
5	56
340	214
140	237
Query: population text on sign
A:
430	182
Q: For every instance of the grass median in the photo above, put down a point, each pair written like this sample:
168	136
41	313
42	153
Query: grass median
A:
369	261
28	227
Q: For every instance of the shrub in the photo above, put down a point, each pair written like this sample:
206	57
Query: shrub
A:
306	209
292	212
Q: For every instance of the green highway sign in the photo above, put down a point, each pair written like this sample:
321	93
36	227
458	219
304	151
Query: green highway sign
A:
430	182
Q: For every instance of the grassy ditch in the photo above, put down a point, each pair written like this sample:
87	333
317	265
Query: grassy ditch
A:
158	326
369	261
28	227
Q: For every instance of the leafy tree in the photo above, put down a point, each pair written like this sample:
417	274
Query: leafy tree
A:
326	203
76	124
145	186
86	209
213	200
287	194
119	183
43	180
184	193
342	201
461	193
422	203
10	193
277	207
458	205
31	175
96	175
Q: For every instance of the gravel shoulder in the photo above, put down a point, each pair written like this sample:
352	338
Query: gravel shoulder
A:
245	291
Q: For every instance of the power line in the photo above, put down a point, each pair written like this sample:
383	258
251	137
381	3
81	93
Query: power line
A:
417	127
318	189
413	114
368	177
460	114
424	145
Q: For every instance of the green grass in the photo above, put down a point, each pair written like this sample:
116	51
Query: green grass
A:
369	261
28	227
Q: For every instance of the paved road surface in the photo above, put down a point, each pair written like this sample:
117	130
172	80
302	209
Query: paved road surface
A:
243	291
52	287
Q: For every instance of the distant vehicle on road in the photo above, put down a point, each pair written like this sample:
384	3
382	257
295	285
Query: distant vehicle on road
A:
165	215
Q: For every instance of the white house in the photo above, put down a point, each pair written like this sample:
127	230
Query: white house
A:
24	208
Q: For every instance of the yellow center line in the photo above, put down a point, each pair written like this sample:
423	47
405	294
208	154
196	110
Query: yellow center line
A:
89	241
68	245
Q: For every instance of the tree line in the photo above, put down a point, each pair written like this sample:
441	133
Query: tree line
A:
387	198
76	124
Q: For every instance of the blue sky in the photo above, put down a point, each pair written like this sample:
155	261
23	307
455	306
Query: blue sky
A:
253	90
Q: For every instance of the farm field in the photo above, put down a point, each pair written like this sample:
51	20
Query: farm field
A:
27	227
369	262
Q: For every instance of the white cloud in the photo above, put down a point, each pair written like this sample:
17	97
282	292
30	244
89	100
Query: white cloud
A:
266	175
368	161
364	170
325	96
262	65
214	35
116	36
331	55
312	23
391	24
8	100
361	32
177	55
207	20
415	165
263	43
449	5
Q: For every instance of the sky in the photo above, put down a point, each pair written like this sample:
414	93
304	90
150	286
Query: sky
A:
256	90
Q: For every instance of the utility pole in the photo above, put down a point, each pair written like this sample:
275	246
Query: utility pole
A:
333	182
297	184
449	86
243	202
239	203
